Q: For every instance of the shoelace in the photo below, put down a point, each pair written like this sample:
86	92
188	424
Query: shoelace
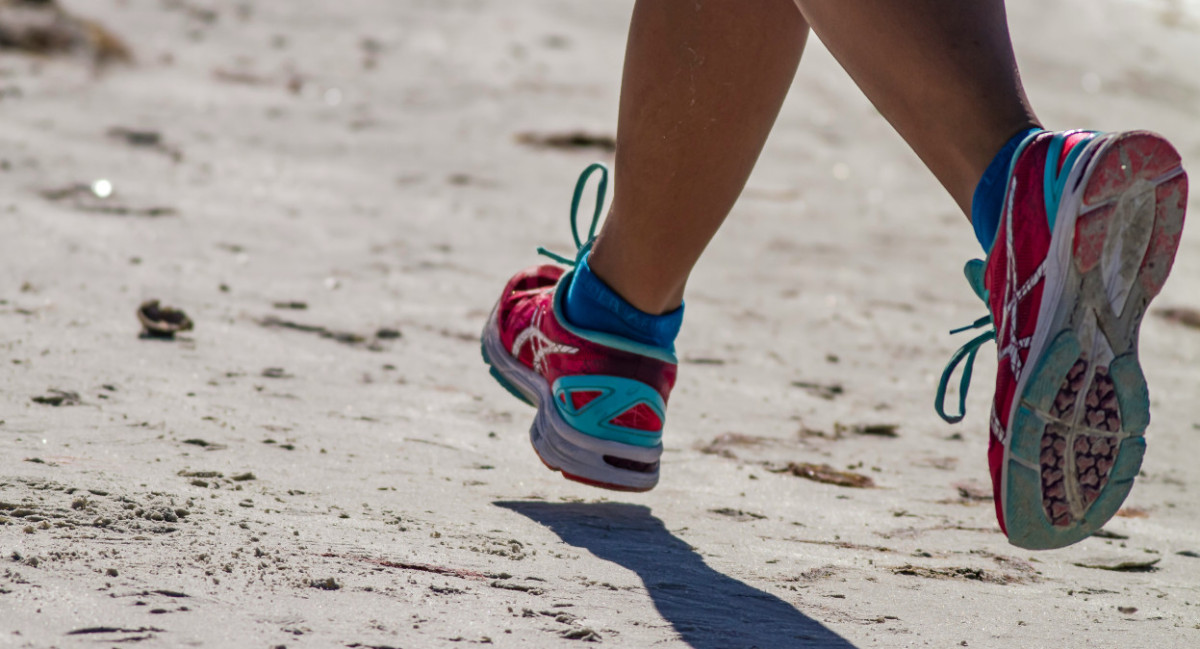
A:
582	247
1054	185
974	272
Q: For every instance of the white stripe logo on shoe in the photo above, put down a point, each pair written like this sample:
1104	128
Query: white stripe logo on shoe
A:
1006	333
539	342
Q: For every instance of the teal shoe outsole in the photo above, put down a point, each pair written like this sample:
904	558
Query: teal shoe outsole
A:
1045	444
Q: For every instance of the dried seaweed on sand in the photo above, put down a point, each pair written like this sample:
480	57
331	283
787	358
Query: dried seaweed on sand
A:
826	474
44	28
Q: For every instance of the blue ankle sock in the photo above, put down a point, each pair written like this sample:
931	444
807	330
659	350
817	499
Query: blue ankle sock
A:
988	201
591	304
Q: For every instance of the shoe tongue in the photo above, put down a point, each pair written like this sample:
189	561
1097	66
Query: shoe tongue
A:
974	270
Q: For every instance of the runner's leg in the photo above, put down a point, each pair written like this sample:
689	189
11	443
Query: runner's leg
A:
941	71
702	85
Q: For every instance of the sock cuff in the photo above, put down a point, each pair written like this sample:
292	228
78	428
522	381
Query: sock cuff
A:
987	203
592	304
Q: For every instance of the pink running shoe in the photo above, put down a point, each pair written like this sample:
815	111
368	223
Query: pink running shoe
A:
1089	231
601	399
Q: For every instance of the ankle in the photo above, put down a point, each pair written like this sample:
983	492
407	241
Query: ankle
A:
642	288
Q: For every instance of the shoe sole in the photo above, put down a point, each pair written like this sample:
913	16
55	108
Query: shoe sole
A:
1075	441
577	456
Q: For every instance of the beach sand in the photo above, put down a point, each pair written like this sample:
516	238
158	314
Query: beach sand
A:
335	193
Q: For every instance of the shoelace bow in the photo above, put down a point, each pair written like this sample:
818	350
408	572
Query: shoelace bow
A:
582	247
974	272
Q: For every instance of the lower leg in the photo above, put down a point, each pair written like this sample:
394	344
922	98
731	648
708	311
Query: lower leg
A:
703	83
941	71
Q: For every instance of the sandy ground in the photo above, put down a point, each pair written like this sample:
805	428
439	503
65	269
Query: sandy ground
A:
255	484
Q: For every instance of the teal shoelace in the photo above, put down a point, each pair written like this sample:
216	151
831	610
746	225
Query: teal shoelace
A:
1054	185
581	246
974	272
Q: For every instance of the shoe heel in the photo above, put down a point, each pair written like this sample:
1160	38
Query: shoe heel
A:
1170	209
1132	216
1130	157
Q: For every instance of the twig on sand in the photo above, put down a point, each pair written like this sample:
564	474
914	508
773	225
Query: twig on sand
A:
344	337
421	567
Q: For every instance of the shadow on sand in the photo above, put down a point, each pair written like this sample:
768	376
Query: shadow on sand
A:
708	609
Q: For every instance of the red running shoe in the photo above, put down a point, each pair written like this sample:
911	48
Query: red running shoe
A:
1088	234
601	399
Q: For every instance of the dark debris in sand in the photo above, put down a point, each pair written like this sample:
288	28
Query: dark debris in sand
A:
973	491
878	430
59	506
328	583
1185	316
827	391
370	343
524	588
1119	565
724	444
113	629
145	139
571	140
204	444
44	28
55	397
420	567
162	322
88	198
964	574
737	514
826	474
